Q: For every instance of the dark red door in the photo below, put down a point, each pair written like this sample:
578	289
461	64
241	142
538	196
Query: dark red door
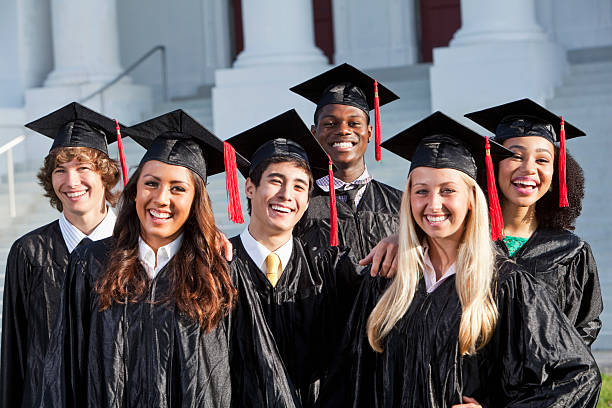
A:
323	27
439	21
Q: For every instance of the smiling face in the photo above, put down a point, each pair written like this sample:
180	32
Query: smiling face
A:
525	177
79	188
280	199
164	196
344	133
439	200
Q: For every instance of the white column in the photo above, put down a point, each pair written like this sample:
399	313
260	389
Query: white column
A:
85	42
483	21
278	32
279	52
385	37
500	53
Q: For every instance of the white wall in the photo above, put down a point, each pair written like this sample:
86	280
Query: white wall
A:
195	33
577	23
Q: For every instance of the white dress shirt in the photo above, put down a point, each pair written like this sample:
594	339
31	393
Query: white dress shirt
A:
365	178
146	255
73	236
259	253
429	274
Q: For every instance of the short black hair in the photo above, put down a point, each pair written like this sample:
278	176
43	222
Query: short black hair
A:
259	170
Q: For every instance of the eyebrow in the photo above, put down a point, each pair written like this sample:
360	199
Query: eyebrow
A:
171	181
538	150
282	176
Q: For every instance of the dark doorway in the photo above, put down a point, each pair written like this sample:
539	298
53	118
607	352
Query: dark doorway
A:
440	19
323	27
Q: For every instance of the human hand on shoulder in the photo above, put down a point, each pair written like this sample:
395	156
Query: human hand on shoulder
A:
383	257
468	403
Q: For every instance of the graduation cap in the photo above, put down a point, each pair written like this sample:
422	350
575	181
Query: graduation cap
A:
74	125
346	85
524	118
442	143
176	138
286	135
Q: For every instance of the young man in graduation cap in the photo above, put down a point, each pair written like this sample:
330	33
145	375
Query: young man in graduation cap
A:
293	302
78	177
367	209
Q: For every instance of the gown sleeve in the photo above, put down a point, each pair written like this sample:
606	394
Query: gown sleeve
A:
14	327
584	302
65	375
535	354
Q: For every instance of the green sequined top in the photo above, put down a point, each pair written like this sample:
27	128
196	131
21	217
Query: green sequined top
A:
514	244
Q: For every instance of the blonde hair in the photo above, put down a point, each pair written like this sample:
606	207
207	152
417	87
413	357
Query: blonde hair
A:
475	273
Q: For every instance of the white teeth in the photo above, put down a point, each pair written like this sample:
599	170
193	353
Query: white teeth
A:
527	183
76	194
343	145
157	214
281	209
437	218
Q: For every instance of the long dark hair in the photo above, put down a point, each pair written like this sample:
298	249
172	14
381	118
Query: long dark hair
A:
200	284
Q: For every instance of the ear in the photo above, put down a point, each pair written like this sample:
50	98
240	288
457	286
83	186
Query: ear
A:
370	128
249	188
313	130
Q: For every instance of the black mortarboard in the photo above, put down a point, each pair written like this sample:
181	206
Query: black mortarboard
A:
442	143
524	118
74	125
285	135
178	139
346	85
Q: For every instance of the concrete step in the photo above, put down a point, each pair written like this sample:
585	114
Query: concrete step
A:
589	78
588	89
588	101
199	108
592	67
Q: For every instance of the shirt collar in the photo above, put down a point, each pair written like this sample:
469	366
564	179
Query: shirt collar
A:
146	255
258	252
73	236
429	273
323	182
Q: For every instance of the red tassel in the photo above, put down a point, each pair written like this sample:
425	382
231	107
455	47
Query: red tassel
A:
333	214
377	122
497	220
562	182
234	208
124	171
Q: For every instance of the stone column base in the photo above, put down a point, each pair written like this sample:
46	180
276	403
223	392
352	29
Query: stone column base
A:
245	97
471	77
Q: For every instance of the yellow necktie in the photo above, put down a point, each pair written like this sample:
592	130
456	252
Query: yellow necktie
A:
272	268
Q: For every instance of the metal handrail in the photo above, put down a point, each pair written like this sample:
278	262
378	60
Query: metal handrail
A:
164	68
8	149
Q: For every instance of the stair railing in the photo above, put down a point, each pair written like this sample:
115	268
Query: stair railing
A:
164	74
10	175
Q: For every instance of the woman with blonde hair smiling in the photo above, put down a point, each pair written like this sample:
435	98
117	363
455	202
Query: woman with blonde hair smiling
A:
458	326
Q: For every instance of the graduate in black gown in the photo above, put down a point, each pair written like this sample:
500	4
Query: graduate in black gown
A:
78	177
367	209
143	320
459	325
293	301
538	220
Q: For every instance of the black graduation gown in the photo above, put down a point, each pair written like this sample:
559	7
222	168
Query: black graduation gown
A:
140	354
565	264
376	217
35	272
534	359
283	337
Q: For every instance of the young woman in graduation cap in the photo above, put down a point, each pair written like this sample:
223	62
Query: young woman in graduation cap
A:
457	324
143	321
541	189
